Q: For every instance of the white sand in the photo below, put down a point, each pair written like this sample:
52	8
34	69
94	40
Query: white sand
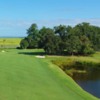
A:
2	51
40	56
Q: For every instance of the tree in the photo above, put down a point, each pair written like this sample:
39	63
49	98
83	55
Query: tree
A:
73	45
61	31
33	37
33	29
86	46
82	39
24	43
46	40
95	37
33	41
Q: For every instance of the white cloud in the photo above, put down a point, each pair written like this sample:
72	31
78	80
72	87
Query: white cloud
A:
47	23
71	22
18	27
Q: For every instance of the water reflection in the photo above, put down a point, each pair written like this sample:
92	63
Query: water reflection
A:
89	81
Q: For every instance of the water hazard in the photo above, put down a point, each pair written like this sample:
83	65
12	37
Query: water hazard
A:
89	81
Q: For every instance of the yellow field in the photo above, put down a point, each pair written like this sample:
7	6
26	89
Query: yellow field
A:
9	42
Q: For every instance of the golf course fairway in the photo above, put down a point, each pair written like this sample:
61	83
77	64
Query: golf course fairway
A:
25	77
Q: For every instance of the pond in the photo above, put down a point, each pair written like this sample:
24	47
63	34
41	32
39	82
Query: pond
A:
89	81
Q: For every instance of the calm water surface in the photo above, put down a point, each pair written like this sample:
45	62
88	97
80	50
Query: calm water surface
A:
89	82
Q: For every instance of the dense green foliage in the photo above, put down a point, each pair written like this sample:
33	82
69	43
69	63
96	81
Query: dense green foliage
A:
81	39
25	77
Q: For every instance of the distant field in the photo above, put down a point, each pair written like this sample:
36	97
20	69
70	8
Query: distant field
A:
9	42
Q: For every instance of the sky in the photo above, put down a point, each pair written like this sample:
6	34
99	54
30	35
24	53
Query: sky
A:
16	16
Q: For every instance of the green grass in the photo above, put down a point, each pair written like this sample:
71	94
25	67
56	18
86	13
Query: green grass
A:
25	77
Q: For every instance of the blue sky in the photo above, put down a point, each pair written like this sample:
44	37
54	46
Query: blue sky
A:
17	15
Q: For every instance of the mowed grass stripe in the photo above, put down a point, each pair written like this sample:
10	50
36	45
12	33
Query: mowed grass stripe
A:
25	77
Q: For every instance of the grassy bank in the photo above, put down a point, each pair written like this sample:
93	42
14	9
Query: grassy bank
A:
75	64
25	77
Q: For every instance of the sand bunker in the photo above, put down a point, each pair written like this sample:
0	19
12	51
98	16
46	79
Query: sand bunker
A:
40	56
2	51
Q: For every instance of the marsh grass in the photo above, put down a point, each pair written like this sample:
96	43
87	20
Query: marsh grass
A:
9	42
78	64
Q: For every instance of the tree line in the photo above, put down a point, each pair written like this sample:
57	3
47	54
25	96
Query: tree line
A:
82	39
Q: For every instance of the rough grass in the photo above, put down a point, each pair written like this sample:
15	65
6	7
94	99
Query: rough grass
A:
71	65
77	64
25	77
